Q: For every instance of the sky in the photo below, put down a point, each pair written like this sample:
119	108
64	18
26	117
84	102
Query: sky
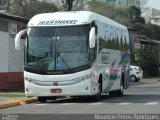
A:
153	4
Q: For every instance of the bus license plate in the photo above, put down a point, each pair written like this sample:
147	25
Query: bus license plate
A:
56	91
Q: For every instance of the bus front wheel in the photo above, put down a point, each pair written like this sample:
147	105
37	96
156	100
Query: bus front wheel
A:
98	95
42	99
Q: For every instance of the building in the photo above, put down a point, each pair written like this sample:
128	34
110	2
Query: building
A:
152	16
146	44
11	61
149	13
155	20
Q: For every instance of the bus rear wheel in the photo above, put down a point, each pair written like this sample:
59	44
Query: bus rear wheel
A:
120	92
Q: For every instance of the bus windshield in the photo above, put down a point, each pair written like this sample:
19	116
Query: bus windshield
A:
52	49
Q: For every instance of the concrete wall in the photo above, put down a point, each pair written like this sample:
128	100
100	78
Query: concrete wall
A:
3	51
155	20
11	61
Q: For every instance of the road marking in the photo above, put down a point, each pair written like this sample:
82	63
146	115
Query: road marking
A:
97	103
152	103
67	103
124	103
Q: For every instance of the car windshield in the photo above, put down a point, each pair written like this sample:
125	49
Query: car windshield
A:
57	48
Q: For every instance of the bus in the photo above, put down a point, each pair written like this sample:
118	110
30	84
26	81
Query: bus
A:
76	53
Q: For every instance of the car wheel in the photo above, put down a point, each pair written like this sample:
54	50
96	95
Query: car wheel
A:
132	78
137	80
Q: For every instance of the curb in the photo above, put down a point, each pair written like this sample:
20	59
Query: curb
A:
13	103
150	81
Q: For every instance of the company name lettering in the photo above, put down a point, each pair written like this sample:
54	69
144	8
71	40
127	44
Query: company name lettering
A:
53	22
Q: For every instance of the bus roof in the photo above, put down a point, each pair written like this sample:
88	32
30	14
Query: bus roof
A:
65	18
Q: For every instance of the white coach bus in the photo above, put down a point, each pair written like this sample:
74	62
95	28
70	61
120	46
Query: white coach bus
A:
78	53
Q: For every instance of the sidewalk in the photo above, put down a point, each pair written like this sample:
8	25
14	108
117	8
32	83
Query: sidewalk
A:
6	102
150	80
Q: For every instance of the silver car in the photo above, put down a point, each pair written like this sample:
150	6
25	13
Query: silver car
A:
136	73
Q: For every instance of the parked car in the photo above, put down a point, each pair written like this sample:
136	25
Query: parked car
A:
136	73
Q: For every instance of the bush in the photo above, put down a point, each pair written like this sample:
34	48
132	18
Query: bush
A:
148	61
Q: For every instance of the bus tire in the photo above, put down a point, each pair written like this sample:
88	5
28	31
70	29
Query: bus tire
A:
98	95
117	92
120	92
42	99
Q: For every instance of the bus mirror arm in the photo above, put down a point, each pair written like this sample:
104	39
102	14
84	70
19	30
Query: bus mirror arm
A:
18	38
92	37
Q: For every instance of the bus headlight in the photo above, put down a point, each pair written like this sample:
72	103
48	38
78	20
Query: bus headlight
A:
30	80
83	78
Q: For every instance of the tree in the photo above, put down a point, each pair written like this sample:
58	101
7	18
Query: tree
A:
152	31
69	4
134	15
79	5
27	9
103	9
4	5
147	61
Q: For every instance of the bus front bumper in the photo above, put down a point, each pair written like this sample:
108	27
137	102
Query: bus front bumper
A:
81	89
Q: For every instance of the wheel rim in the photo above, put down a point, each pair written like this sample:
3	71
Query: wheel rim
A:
133	78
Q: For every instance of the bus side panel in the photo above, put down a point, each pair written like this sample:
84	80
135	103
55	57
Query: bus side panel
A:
112	55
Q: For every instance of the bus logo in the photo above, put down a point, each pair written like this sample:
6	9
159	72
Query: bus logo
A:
55	83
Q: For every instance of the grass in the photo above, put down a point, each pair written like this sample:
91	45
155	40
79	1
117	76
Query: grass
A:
12	95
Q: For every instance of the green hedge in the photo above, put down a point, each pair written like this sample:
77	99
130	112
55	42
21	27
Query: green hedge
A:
148	61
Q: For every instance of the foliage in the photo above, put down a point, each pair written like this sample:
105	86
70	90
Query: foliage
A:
151	31
80	5
103	9
29	8
134	15
69	4
130	17
147	61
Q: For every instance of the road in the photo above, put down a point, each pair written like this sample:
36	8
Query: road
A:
144	99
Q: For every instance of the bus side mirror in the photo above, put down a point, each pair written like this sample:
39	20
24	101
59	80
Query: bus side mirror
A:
18	38
92	37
